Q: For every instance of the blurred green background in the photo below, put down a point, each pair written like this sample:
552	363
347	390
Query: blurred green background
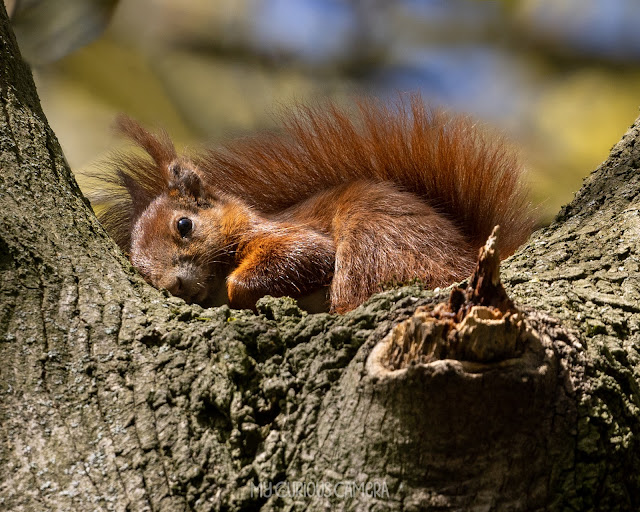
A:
559	77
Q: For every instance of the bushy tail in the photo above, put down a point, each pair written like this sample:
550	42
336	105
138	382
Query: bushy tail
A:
471	177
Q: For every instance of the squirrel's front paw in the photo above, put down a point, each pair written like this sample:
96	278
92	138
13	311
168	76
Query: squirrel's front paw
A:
242	295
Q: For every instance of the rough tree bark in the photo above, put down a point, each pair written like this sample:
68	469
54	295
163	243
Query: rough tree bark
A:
114	396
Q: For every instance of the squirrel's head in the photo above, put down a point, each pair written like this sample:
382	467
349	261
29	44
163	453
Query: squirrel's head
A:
183	240
172	224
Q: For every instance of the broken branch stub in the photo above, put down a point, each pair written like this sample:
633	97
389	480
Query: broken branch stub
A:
473	387
478	324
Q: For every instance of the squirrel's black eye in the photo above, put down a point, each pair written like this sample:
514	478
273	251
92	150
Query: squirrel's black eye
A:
185	226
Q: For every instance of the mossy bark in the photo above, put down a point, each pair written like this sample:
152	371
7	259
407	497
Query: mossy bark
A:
114	396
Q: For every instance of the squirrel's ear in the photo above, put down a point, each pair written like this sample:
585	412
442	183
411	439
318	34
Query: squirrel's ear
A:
185	179
158	146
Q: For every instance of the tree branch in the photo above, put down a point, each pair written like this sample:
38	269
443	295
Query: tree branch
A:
114	396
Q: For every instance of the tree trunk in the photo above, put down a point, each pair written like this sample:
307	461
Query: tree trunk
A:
114	396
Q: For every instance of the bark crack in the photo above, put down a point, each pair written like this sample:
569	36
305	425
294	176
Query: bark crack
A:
5	112
114	444
161	456
40	496
139	440
189	357
607	299
45	336
86	468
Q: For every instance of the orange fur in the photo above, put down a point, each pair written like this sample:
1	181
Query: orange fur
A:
267	262
349	202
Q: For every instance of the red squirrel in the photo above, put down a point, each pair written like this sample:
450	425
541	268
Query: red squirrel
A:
334	201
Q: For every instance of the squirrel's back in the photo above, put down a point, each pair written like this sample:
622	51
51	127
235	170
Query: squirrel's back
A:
467	175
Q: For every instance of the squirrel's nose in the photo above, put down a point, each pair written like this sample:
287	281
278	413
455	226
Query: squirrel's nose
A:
184	284
176	286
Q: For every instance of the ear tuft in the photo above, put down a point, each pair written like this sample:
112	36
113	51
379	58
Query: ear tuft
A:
185	179
158	146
